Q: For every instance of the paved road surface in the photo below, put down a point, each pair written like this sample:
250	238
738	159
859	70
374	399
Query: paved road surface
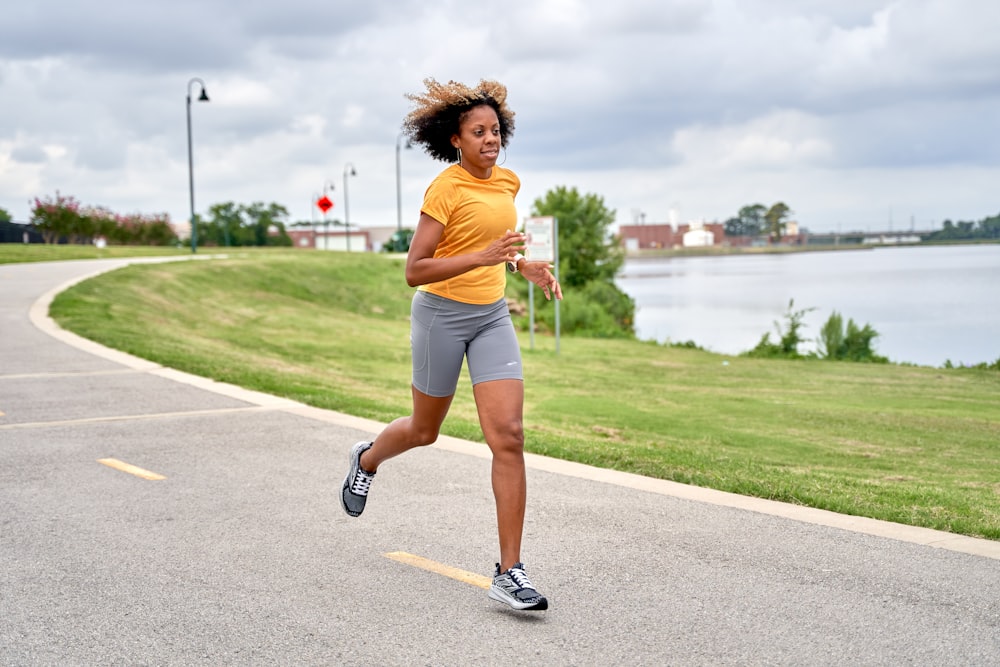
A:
241	554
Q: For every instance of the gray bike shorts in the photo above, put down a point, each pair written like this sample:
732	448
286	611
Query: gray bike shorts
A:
443	332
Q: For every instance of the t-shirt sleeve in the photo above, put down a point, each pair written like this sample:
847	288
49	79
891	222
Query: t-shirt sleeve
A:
440	200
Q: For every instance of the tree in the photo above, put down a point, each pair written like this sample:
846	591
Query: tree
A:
64	218
587	252
262	218
748	222
5	215
241	225
990	227
55	218
223	225
589	259
775	221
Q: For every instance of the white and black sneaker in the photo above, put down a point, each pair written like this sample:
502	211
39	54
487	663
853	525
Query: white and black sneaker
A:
354	492
515	589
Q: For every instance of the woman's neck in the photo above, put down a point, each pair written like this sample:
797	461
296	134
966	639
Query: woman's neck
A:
481	174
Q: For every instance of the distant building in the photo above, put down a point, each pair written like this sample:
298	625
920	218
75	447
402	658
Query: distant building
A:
698	237
182	229
664	235
329	237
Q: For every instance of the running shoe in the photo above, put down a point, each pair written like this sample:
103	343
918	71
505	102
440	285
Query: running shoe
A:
515	589
354	493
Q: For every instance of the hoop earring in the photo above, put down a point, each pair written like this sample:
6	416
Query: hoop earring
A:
460	156
504	156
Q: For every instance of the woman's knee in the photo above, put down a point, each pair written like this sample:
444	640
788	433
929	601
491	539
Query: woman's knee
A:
422	435
507	438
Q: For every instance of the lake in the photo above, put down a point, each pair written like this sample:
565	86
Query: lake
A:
929	304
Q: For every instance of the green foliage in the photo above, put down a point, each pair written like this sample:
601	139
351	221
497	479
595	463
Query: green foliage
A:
5	215
56	217
587	252
789	340
258	225
836	342
982	366
987	228
851	344
748	222
589	259
756	219
831	336
64	218
597	310
399	241
775	221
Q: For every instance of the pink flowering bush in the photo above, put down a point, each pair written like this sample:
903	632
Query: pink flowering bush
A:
60	217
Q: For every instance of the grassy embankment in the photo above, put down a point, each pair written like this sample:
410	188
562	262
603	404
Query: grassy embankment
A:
12	253
907	444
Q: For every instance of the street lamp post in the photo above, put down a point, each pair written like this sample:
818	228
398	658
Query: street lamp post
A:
348	171
201	98
399	194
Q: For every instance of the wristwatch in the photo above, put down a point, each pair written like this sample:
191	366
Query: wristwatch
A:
512	265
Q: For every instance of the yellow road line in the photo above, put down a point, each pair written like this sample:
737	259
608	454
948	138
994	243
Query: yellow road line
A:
131	469
440	568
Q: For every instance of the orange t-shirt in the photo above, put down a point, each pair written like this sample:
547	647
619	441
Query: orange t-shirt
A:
475	212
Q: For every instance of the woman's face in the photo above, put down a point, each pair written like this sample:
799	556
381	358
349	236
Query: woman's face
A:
479	138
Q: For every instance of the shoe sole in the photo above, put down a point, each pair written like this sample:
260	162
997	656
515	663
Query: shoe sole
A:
500	596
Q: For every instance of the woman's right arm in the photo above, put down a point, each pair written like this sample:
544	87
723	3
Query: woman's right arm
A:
423	268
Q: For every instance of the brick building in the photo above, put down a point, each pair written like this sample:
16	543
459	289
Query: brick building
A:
644	237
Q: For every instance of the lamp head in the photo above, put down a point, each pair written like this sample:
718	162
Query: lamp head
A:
204	95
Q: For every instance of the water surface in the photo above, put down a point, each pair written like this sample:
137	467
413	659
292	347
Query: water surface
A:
930	304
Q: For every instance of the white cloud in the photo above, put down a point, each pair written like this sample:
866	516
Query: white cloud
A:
841	109
785	140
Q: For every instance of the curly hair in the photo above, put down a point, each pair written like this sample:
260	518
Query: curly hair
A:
439	112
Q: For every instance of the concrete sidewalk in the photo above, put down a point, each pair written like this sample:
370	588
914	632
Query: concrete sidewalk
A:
240	554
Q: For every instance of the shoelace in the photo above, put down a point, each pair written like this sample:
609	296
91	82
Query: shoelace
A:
520	578
362	481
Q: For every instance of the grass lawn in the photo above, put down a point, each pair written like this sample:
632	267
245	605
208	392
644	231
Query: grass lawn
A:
908	444
11	253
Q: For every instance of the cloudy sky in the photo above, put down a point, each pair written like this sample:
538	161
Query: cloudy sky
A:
858	114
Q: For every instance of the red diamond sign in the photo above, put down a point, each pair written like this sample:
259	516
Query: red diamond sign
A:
324	203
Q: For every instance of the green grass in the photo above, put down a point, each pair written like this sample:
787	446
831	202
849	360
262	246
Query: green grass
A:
11	253
913	445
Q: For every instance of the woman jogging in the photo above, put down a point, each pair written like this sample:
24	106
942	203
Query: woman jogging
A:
457	260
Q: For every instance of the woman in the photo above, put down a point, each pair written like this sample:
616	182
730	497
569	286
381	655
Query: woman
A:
457	260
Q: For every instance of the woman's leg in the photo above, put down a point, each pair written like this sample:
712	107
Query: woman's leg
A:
420	428
500	404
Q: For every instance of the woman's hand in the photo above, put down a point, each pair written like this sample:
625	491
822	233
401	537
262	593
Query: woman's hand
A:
540	273
504	249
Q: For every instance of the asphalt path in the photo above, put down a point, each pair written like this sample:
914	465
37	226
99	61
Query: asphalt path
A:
239	553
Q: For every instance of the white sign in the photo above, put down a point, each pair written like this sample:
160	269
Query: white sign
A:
540	245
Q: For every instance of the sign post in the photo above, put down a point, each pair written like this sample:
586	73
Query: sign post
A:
542	245
324	204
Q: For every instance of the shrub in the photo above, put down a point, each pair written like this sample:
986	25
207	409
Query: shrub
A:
852	343
596	309
790	339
